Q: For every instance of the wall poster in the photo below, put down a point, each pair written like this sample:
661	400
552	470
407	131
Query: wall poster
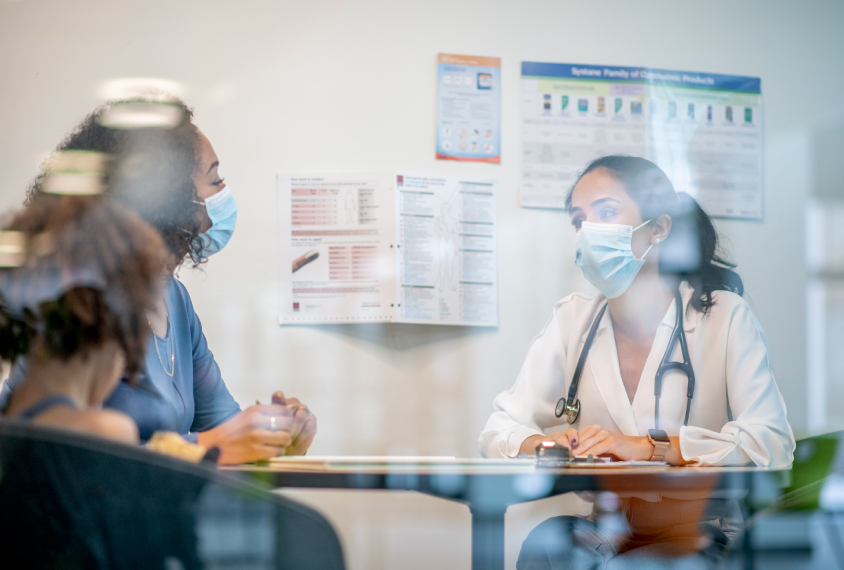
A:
402	247
704	130
469	108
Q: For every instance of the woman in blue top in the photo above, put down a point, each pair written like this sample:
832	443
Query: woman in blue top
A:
167	172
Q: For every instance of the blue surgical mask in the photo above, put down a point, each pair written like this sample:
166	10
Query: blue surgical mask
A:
222	210
604	253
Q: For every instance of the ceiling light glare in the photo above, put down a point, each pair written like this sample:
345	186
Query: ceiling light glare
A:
73	184
12	249
142	115
77	161
125	88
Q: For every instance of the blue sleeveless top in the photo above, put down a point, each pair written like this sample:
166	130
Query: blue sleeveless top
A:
181	388
45	404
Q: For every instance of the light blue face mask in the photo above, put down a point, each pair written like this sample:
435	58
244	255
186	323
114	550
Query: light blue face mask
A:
222	210
604	253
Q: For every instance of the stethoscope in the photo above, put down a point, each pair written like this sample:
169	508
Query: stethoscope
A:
571	406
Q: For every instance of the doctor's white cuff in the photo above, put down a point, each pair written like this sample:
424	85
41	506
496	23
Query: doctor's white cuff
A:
510	442
706	447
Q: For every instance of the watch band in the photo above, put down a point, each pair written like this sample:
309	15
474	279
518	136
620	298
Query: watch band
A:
660	449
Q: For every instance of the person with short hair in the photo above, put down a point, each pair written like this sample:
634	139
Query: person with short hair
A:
74	304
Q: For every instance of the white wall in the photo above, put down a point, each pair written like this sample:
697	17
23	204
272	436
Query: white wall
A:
350	86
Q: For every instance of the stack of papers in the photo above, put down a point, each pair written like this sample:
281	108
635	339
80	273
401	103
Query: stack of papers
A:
362	463
389	462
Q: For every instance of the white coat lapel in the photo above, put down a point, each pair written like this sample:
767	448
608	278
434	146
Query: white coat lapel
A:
603	362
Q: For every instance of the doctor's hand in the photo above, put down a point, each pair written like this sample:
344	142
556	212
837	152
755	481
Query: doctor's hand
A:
567	438
304	424
594	440
258	432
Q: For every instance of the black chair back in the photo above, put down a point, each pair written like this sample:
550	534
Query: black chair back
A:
70	500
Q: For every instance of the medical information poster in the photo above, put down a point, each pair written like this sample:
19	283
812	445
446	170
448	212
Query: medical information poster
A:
387	248
447	264
704	130
336	258
469	108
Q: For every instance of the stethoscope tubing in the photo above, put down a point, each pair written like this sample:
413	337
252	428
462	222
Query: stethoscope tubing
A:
677	335
571	405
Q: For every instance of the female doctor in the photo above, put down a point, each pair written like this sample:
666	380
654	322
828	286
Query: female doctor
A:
649	251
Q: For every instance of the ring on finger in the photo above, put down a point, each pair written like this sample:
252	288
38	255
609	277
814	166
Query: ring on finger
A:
273	424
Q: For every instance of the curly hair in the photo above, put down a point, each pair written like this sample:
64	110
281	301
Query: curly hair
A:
150	171
96	237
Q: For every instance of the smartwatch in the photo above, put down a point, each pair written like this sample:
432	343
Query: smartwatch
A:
660	441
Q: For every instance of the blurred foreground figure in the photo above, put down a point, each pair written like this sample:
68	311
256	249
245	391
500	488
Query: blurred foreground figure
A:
78	272
163	168
665	363
74	304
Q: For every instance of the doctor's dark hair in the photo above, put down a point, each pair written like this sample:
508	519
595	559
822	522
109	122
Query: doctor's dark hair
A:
99	241
150	171
691	251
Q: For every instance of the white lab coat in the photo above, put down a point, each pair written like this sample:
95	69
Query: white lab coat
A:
737	414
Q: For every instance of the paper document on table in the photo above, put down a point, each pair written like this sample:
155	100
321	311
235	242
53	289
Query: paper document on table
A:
617	464
391	463
378	247
380	463
353	462
551	462
366	458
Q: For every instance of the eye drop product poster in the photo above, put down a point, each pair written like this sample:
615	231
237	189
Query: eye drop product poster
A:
703	129
469	108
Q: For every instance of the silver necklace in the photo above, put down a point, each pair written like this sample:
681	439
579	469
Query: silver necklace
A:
158	352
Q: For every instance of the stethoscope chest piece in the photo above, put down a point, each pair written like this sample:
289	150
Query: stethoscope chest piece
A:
571	406
571	411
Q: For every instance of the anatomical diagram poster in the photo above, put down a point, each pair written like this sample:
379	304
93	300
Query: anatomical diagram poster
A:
379	247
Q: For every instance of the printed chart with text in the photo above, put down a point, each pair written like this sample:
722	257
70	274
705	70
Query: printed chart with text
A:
704	130
402	247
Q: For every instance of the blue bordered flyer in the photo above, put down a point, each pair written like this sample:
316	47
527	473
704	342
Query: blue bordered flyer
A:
704	130
469	108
